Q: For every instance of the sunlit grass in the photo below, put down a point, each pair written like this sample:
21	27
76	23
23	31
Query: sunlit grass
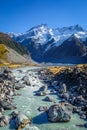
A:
58	69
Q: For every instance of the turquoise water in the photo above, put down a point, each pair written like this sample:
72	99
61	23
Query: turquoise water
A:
28	103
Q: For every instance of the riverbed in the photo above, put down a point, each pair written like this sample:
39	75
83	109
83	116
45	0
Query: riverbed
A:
28	103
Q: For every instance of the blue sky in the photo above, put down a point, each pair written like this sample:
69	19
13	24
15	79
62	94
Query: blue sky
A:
20	15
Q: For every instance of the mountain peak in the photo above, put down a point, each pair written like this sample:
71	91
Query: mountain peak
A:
41	26
69	30
78	27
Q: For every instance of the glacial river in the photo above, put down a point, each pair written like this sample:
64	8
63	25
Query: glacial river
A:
28	103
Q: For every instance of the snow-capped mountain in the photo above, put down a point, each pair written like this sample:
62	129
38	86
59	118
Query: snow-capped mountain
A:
12	34
41	39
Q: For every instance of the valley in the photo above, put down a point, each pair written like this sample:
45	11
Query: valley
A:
46	85
43	65
37	88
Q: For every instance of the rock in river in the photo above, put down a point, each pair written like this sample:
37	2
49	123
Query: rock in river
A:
6	105
20	120
19	86
48	98
42	91
57	114
4	120
26	80
43	108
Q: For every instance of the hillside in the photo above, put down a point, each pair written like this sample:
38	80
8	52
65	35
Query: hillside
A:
71	50
11	52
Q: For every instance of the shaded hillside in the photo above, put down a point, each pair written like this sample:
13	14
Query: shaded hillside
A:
72	50
5	39
12	52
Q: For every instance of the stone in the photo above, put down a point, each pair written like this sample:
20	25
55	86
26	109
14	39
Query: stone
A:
4	120
0	114
76	109
19	86
63	88
14	114
1	109
6	105
21	121
43	88
42	91
55	83
57	114
43	108
26	80
48	98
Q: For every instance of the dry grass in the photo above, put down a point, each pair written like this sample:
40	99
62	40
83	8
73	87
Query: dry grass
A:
3	51
4	60
58	69
16	65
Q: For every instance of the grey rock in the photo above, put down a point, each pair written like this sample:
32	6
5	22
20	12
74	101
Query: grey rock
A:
19	86
43	88
20	119
42	91
49	99
6	105
43	108
26	80
4	120
63	88
57	114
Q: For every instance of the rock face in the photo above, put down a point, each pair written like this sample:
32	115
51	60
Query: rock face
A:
57	114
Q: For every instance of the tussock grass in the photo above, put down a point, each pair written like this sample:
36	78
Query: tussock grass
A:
56	70
3	51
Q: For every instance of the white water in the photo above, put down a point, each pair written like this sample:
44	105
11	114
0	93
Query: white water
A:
28	103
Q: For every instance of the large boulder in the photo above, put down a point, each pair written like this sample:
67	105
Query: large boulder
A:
57	114
21	121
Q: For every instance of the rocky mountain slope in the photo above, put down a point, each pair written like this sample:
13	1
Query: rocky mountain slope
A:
71	51
55	45
11	51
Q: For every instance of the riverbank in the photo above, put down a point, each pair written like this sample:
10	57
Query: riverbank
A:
17	65
28	102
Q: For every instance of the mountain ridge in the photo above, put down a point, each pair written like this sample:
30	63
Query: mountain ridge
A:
40	40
